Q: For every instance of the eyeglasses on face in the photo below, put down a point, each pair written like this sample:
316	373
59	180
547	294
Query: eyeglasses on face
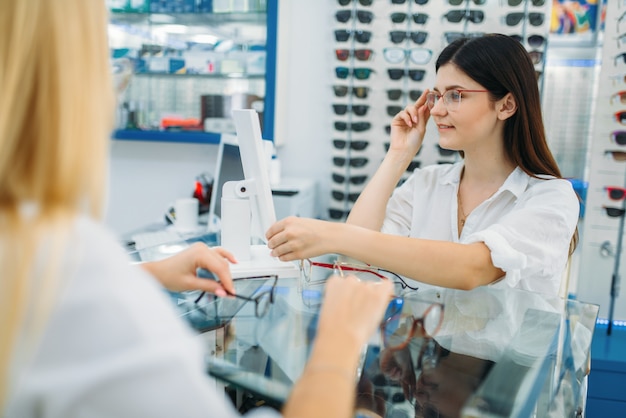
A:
396	94
410	317
353	162
359	73
339	195
453	36
445	152
395	55
337	214
263	297
398	73
616	193
363	16
358	91
534	41
418	18
455	16
360	54
397	36
536	3
356	180
356	127
619	137
535	19
342	109
614	212
451	98
362	36
361	2
617	155
353	144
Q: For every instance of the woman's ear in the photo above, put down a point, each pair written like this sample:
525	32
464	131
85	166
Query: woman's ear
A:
507	106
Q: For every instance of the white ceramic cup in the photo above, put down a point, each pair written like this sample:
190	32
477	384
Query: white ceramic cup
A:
186	214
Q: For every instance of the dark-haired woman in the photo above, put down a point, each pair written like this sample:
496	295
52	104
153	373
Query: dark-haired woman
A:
503	214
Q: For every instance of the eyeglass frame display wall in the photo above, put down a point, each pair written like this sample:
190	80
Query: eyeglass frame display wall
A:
435	27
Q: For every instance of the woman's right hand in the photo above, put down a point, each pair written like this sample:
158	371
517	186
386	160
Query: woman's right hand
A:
409	126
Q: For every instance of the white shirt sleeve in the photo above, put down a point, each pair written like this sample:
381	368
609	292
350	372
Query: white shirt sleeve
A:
114	346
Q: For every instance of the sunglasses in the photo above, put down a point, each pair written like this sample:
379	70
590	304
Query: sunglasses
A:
455	16
362	15
616	193
398	73
620	117
360	54
337	213
617	155
353	144
536	3
361	2
394	110
362	36
614	212
339	178
419	18
453	36
460	2
420	2
446	152
396	55
339	195
395	94
621	95
535	19
356	127
359	73
360	91
534	41
619	137
353	162
342	109
397	36
413	165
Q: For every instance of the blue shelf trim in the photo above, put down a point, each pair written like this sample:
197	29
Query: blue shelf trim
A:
270	69
167	136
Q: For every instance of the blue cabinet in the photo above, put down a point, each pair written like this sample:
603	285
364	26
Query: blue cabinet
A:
190	67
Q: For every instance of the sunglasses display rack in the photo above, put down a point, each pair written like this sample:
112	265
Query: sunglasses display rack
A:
385	52
606	199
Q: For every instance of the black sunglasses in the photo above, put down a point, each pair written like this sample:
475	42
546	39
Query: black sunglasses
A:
536	3
619	137
397	36
339	195
342	109
361	2
535	41
340	178
614	212
396	94
357	145
363	16
413	165
353	162
393	110
535	19
356	127
398	73
358	91
362	36
359	73
337	213
453	36
418	18
445	152
455	16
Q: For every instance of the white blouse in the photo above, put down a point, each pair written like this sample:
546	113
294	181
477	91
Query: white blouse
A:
527	224
114	346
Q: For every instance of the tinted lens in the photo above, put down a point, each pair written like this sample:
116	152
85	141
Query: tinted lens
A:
340	109
536	56
415	94
398	17
343	2
363	54
342	72
419	37
339	195
614	212
617	155
397	36
395	73
619	137
445	152
355	145
616	193
340	91
394	94
360	92
342	54
413	165
455	16
360	127
453	36
455	2
362	36
621	117
360	110
421	2
476	16
420	18
366	2
393	110
535	19
338	178
536	40
364	16
398	1
337	213
514	2
362	73
388	130
343	15
341	126
513	19
342	35
417	75
539	3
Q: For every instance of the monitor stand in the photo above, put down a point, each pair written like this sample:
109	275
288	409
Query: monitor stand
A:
253	259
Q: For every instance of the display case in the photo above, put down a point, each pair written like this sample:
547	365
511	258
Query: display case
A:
191	63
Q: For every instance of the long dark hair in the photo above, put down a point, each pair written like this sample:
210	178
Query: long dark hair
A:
502	65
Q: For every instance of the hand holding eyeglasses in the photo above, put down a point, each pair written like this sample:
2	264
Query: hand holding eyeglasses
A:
409	126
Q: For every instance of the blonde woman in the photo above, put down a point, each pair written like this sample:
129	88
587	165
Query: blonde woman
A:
83	333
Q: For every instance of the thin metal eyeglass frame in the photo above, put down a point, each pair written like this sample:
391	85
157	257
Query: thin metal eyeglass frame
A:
414	324
256	299
378	272
433	97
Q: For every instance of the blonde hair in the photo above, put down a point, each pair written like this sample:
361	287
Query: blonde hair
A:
56	109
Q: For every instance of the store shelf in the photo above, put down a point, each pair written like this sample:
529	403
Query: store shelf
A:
196	19
167	136
216	76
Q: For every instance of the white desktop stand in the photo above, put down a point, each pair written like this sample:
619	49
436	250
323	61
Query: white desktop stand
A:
253	259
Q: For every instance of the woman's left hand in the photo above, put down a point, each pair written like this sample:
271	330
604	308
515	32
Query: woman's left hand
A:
178	272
